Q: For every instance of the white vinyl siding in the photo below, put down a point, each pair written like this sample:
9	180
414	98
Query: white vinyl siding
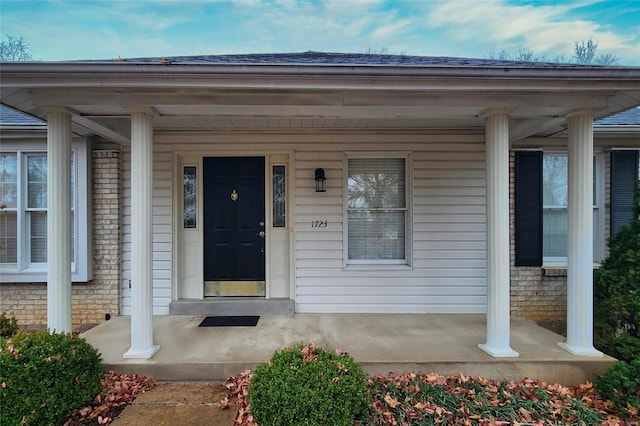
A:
447	271
448	267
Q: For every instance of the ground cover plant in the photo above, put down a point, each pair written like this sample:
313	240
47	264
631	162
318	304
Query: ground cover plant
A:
433	399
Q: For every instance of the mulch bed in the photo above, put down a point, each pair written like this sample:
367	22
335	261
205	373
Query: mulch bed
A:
407	399
427	399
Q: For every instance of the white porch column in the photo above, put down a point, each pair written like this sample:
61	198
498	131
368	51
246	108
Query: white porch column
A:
580	236
141	237
59	221
498	274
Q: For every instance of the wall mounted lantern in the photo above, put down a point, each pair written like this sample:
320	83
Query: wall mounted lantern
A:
321	181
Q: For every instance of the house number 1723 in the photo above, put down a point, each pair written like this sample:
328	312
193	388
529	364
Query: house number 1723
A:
319	224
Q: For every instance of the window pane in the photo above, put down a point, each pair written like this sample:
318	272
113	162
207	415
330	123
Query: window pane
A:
38	229
279	197
8	237
73	180
554	242
37	181
190	197
73	237
376	234
375	183
554	186
9	180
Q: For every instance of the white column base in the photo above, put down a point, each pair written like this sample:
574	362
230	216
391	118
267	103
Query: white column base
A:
497	352
134	353
585	351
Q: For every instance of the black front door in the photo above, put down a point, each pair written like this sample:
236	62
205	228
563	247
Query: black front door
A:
234	226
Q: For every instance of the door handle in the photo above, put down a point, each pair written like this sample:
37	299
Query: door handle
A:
261	234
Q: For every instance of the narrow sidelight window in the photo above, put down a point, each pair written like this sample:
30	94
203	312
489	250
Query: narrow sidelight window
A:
279	197
190	197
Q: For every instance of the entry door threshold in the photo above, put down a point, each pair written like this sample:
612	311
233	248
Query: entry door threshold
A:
234	288
232	306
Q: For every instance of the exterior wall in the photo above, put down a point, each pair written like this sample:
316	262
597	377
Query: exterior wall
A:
90	301
539	293
448	271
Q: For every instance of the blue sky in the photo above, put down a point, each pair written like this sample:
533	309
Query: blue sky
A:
107	29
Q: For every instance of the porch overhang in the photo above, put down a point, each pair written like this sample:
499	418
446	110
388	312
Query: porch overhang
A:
272	97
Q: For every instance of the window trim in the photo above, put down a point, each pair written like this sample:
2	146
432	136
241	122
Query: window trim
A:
82	267
380	264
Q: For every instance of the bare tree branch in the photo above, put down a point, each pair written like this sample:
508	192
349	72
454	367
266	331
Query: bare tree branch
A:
15	49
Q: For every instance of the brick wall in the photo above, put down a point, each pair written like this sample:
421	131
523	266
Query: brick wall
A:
91	301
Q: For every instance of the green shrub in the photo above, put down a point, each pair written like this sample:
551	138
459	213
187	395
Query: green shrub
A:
621	385
45	377
617	291
308	385
619	345
8	326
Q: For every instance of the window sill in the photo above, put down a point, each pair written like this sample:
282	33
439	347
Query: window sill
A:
377	267
35	277
559	270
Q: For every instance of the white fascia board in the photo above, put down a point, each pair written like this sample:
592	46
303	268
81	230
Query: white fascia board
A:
105	74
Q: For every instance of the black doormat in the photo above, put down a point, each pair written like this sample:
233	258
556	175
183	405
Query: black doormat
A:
230	321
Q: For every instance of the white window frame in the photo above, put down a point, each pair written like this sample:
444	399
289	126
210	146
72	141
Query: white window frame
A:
377	264
81	267
599	219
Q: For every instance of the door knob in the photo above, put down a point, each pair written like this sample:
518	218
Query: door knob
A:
261	234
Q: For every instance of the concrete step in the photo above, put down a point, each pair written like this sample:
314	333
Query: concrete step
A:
232	306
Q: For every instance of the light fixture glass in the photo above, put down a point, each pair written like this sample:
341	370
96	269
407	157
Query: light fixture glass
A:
321	181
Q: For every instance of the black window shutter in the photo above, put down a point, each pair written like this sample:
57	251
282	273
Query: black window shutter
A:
624	175
528	215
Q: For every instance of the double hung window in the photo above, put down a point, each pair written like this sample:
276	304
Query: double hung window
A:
377	211
23	216
555	201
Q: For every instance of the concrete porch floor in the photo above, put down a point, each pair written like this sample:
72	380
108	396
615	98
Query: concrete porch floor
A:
380	343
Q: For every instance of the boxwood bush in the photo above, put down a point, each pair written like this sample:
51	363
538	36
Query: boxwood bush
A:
620	384
308	385
8	326
617	292
44	377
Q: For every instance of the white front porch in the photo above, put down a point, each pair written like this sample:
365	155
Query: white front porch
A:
380	343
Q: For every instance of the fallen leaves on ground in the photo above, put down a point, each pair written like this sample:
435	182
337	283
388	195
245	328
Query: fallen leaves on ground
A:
434	399
116	392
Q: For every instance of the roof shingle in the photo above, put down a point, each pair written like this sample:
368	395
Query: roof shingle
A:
353	59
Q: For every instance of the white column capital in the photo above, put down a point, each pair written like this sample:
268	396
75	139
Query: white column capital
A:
491	112
580	112
57	108
143	109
